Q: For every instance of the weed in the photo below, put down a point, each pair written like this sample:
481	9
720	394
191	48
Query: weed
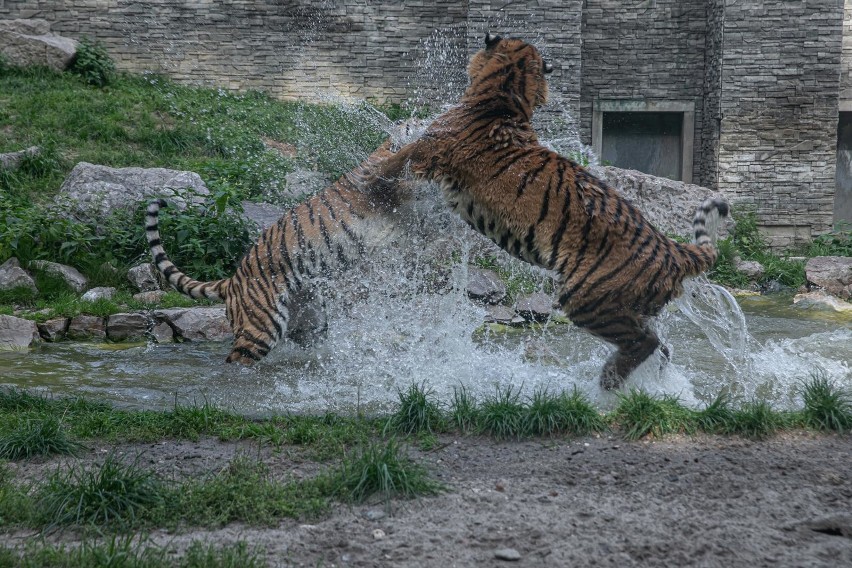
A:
755	419
463	410
418	411
827	407
640	414
383	470
502	415
37	436
92	63
112	494
716	417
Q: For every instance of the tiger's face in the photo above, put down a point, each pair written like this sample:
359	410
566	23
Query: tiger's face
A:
514	65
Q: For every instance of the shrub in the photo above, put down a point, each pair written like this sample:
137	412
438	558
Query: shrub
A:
93	63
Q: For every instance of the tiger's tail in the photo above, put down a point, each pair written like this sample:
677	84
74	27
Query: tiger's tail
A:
701	254
181	282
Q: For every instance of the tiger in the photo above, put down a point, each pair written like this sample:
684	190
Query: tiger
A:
271	295
614	270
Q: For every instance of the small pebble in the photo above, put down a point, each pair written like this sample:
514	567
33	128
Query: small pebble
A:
507	554
378	534
373	515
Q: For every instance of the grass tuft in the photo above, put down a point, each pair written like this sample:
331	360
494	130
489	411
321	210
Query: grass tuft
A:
463	410
418	411
502	415
756	420
113	494
37	437
827	407
383	470
640	414
717	417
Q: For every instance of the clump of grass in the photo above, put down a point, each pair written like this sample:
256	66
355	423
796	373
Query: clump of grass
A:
640	414
827	407
113	494
502	415
383	470
244	491
16	400
35	437
418	411
463	410
548	414
577	415
717	417
755	419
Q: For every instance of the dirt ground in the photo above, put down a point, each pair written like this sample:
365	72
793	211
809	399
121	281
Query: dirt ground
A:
702	501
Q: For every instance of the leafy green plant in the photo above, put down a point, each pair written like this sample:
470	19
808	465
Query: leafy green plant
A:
837	242
827	407
463	409
755	419
640	414
93	63
502	414
35	437
716	417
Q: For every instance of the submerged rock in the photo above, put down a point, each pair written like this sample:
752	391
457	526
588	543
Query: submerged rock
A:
17	333
822	301
69	274
28	42
832	273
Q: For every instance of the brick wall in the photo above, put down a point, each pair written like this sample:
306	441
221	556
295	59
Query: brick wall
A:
779	97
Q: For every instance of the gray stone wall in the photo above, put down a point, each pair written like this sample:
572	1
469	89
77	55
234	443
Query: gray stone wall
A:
707	146
779	101
846	57
651	51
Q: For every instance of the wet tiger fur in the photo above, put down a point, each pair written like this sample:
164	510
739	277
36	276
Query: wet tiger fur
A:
614	269
271	294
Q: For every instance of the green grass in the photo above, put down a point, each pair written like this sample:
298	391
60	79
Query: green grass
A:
757	420
501	415
826	406
130	552
37	437
639	414
418	411
463	410
383	470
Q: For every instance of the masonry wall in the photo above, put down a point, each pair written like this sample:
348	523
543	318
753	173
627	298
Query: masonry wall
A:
779	101
846	57
651	51
707	146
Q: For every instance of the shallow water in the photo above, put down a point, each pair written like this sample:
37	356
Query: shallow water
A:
385	346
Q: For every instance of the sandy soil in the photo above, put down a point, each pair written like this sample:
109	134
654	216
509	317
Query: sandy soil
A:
703	501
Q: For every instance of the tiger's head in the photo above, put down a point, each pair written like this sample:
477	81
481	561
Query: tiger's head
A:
509	67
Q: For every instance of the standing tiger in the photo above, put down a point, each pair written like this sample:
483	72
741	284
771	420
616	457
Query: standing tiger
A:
614	269
271	294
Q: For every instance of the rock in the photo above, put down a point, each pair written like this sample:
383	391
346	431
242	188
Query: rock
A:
13	276
26	43
499	314
99	293
126	327
821	301
378	534
509	554
197	324
485	285
16	333
535	307
374	514
162	333
832	273
98	191
12	160
262	214
150	297
751	268
54	329
144	278
669	205
301	183
86	327
69	274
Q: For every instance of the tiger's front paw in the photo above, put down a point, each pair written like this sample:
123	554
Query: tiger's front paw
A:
610	379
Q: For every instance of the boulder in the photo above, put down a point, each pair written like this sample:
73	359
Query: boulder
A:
485	285
98	191
144	278
86	327
535	307
99	293
11	160
300	183
162	333
831	273
126	327
69	274
13	276
262	214
751	268
197	324
499	314
669	205
16	333
29	42
54	329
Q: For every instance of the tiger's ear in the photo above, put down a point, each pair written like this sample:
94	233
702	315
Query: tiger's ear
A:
491	40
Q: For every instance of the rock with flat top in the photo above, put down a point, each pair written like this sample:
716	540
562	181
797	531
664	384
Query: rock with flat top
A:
13	276
831	273
69	274
197	324
16	333
29	42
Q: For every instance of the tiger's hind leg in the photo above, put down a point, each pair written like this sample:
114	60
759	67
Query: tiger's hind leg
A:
632	338
257	327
